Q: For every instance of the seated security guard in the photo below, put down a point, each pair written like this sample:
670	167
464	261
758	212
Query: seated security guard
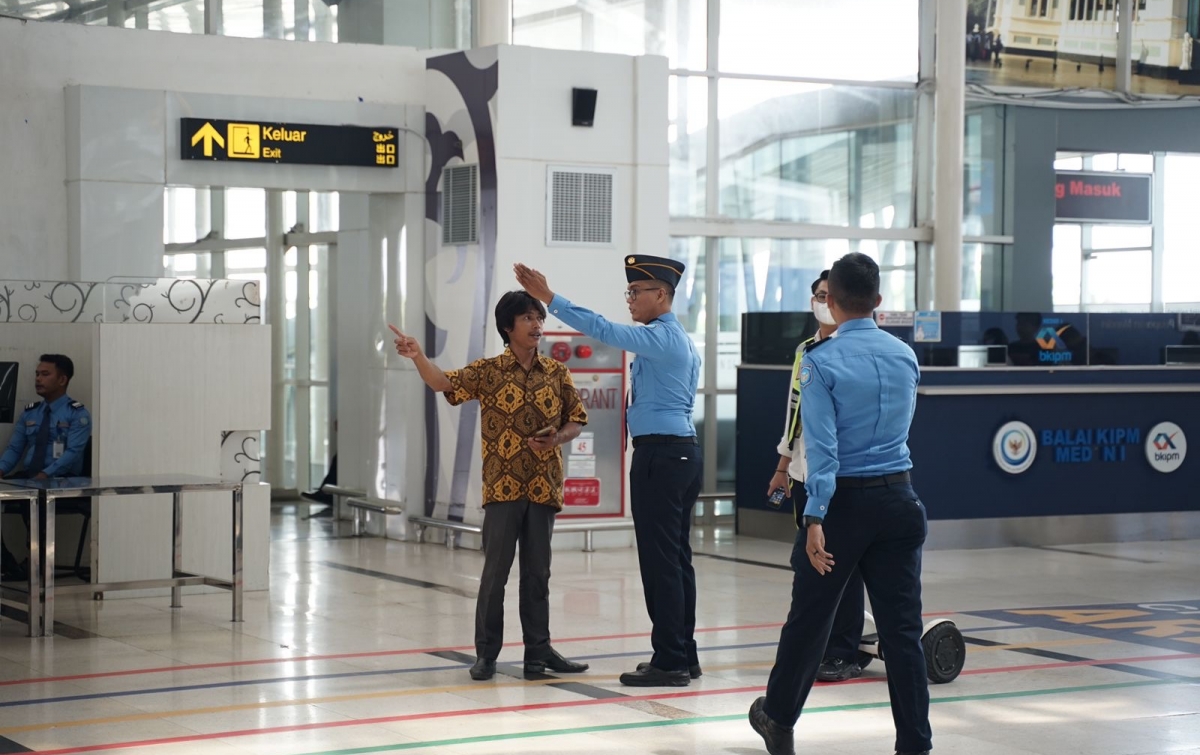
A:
51	435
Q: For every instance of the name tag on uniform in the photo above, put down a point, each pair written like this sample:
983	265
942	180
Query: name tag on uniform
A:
59	449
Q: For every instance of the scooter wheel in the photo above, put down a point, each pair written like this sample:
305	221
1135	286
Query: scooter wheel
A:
945	652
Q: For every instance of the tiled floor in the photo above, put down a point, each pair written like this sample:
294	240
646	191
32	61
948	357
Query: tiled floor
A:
365	661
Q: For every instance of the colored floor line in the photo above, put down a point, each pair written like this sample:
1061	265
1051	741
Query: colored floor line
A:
322	677
540	681
363	654
719	719
447	589
316	677
580	703
407	651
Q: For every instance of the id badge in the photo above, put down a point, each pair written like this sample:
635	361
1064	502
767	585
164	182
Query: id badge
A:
59	449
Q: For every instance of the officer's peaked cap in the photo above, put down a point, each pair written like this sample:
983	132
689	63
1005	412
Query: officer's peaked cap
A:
642	267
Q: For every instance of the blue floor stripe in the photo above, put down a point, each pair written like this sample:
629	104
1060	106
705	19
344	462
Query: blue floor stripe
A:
346	675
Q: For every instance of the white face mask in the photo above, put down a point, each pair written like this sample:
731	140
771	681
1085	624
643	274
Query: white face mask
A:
821	310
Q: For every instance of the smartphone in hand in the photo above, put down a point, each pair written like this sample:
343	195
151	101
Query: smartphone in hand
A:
777	496
549	429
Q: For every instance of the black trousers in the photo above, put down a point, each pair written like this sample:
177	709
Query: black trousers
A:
879	531
505	525
850	616
664	481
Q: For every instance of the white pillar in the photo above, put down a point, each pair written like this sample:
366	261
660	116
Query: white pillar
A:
213	21
277	317
494	23
1124	45
950	111
116	12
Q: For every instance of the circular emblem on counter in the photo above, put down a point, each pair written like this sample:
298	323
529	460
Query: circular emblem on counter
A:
1014	447
1166	447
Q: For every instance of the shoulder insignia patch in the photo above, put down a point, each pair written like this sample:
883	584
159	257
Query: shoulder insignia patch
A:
34	405
83	421
805	376
76	405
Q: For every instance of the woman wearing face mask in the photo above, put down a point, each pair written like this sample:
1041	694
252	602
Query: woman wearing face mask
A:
841	653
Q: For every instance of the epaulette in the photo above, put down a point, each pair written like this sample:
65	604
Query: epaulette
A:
816	345
34	405
76	405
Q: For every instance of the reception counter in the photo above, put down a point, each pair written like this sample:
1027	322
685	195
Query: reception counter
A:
1018	455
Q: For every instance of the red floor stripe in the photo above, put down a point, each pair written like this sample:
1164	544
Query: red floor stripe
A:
344	656
370	654
559	705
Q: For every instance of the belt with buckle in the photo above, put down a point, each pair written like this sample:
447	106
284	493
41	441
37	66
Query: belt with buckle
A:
900	478
682	440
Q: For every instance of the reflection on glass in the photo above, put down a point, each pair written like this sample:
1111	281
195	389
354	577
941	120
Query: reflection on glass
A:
1113	278
245	213
816	154
185	219
677	29
1121	236
687	134
983	157
690	296
1066	260
866	40
1181	262
776	275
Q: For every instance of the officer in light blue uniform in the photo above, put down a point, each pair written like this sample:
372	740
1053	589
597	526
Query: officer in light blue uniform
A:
666	474
859	395
50	437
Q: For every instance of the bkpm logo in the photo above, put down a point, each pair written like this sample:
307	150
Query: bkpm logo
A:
1166	447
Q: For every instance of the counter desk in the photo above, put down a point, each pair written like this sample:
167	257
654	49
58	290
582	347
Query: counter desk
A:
1019	455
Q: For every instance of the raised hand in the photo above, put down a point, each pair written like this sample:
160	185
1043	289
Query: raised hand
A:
406	346
533	282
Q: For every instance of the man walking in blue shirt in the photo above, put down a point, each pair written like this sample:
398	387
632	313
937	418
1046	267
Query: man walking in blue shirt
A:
859	394
665	477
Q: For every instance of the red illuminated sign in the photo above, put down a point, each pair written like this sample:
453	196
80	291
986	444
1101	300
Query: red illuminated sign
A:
584	491
1082	197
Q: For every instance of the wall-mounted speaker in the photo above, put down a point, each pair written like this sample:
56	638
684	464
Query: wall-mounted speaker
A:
583	107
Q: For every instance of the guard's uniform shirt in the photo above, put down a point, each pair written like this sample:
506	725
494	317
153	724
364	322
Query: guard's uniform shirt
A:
70	428
859	394
667	468
666	371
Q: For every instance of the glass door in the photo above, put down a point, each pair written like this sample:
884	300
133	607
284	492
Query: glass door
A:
307	342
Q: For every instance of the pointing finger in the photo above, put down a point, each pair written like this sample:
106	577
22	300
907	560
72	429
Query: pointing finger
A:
396	331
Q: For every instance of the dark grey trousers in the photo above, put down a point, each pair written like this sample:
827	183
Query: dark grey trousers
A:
504	526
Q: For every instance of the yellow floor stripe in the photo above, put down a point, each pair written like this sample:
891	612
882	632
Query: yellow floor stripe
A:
131	718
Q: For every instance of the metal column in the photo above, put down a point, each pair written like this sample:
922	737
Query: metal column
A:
1124	45
950	111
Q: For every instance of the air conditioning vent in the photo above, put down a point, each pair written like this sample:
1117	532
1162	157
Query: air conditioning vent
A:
460	201
579	209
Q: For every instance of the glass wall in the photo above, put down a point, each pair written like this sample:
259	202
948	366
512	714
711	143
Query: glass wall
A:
791	126
221	233
1139	268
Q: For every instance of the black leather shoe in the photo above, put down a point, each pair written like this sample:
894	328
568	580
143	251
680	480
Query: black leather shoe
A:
777	738
693	671
922	752
483	669
555	662
838	670
655	677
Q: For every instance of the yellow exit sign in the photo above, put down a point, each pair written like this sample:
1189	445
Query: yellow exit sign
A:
289	143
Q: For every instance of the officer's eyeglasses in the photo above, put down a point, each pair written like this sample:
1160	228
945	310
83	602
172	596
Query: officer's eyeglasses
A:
631	293
821	297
